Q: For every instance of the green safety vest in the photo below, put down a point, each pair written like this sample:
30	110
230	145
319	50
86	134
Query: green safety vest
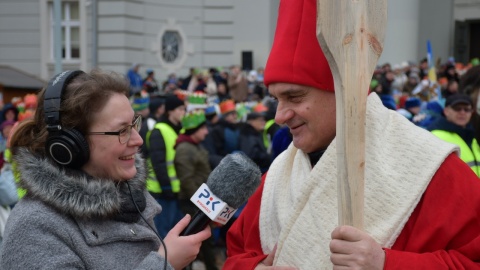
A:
266	139
471	156
170	137
7	155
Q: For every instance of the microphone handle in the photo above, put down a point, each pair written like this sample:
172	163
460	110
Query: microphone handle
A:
198	223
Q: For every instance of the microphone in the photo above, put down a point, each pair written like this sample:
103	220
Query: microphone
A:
228	186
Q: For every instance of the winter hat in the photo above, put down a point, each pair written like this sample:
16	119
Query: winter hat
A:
296	56
255	115
412	102
172	102
227	106
210	110
260	108
192	121
155	103
140	101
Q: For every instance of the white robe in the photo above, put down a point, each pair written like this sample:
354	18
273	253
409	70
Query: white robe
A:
299	204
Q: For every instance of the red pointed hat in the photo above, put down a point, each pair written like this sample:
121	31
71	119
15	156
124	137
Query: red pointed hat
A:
296	56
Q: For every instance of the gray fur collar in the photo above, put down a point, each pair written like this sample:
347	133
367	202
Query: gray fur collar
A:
75	193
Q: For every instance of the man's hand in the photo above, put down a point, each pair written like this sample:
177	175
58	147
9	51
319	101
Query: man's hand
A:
267	263
354	249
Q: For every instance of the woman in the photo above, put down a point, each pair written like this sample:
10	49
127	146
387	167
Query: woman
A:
85	191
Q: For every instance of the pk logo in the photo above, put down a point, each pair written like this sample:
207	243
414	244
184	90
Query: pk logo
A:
227	212
206	195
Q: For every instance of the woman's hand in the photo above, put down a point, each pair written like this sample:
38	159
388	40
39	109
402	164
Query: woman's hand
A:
354	249
182	250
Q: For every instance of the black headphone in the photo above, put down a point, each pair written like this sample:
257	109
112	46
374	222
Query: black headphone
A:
67	147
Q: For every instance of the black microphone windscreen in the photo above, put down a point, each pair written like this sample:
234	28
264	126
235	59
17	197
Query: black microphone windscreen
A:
234	179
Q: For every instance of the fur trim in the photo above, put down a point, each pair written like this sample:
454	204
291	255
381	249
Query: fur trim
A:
74	192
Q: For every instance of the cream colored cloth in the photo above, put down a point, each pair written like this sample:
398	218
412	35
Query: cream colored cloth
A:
299	204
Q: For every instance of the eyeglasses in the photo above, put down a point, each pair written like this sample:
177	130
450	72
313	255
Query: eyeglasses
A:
465	109
125	133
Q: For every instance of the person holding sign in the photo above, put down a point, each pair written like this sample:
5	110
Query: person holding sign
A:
422	203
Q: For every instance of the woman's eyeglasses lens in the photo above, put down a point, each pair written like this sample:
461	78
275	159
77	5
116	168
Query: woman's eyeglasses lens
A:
125	133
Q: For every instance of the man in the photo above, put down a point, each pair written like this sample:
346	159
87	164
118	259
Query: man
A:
209	143
163	182
291	220
134	78
225	133
237	84
150	83
455	128
251	140
156	109
193	168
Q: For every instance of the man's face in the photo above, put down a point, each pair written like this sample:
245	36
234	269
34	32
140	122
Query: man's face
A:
308	112
200	134
459	114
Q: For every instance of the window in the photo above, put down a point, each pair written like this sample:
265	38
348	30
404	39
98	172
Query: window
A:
170	46
70	30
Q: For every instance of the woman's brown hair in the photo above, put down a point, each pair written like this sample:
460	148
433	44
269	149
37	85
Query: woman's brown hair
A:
85	95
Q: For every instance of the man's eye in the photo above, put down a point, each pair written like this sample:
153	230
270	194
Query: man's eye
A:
295	98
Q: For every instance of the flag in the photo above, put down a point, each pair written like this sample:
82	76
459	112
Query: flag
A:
432	73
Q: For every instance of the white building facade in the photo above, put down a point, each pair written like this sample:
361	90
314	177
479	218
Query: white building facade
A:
171	36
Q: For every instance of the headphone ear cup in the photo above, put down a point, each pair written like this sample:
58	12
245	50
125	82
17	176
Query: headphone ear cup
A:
68	148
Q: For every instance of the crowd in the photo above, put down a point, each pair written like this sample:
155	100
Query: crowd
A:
188	124
218	112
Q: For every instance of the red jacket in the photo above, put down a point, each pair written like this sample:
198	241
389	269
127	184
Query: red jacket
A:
442	233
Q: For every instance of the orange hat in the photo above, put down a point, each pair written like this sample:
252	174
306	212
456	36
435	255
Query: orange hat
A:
227	106
259	108
296	56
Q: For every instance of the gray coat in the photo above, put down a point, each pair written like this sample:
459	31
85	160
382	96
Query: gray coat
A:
65	222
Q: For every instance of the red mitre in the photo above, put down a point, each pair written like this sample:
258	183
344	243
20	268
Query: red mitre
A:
296	56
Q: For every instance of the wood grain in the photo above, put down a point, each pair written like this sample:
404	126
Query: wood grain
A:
351	34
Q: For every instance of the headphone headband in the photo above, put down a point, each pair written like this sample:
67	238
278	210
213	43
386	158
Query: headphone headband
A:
53	97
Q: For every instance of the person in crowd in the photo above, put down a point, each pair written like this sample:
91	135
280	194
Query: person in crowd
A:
222	92
451	73
413	112
140	104
387	99
411	84
226	133
455	128
150	83
237	84
470	85
450	89
157	109
280	141
186	80
135	79
88	210
291	221
209	143
270	126
251	140
163	182
193	169
8	189
9	112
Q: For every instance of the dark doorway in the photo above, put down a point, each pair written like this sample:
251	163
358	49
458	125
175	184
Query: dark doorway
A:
475	39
